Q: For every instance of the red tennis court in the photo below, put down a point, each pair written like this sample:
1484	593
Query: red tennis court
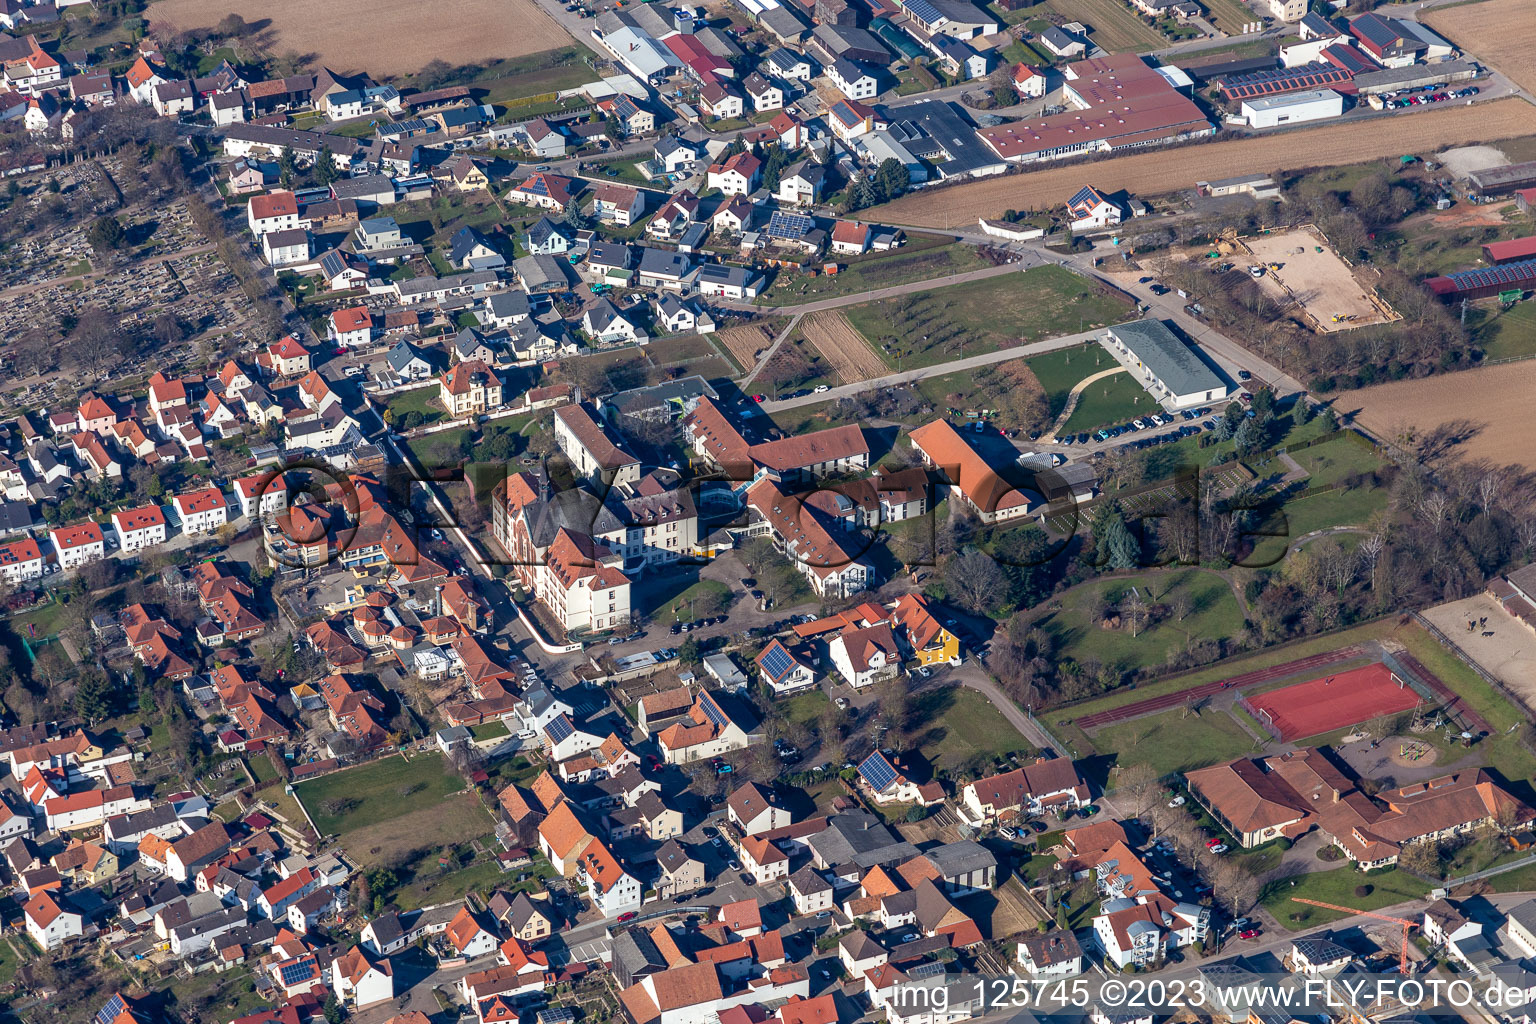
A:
1333	702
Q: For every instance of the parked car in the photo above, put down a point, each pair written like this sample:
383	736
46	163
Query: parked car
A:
1220	848
1248	933
1177	801
628	915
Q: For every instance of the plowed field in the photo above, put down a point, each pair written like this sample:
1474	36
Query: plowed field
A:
844	348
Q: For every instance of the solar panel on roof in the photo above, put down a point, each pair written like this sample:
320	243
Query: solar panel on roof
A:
777	662
296	972
877	771
559	729
712	711
108	1013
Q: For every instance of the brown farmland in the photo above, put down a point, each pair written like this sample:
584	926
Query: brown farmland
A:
1501	33
843	347
746	343
382	37
1483	408
1156	172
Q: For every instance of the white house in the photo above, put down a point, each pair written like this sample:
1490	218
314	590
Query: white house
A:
275	211
756	810
79	544
853	81
1055	954
764	94
866	656
262	494
613	890
286	247
468	937
201	511
21	561
1029	82
360	981
1140	934
738	175
351	327
607	325
784	672
1089	208
49	922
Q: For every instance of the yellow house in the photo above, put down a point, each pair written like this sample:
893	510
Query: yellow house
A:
931	641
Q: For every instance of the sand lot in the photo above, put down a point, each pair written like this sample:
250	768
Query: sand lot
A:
1321	282
1485	408
1501	33
383	37
1509	655
1158	171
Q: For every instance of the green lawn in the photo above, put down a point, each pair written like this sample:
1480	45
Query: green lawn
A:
379	791
805	708
422	401
492	730
1212	611
1338	887
1110	401
956	726
1301	516
923	328
1332	461
1170	742
445	448
922	258
1060	371
1503	333
432	886
680	608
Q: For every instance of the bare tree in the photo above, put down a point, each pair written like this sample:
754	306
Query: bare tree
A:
1135	610
975	580
1432	509
1488	492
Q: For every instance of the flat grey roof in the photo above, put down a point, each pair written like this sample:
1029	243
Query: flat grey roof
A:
1171	361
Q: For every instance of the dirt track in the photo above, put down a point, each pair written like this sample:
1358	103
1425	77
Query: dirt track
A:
1501	33
1321	282
383	37
1160	171
1486	408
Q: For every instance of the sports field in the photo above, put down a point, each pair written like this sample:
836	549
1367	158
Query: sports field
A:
1160	171
382	37
1333	702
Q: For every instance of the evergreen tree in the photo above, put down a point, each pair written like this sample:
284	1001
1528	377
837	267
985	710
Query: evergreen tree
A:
891	180
325	167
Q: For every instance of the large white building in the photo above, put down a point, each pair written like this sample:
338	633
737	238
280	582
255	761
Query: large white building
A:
1172	372
76	545
1292	108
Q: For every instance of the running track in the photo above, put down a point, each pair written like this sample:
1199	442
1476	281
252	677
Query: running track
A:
1152	705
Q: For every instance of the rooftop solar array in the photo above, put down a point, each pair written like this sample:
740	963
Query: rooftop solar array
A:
559	728
777	662
113	1008
712	711
878	771
789	225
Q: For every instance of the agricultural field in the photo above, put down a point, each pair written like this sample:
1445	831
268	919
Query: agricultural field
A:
1113	25
1480	408
382	37
1160	171
747	342
1501	33
843	347
924	328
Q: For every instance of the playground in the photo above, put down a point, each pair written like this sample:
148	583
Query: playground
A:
1302	266
1332	702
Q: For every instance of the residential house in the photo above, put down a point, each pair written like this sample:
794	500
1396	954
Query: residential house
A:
800	184
866	656
764	94
544	191
852	80
738	175
1047	784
